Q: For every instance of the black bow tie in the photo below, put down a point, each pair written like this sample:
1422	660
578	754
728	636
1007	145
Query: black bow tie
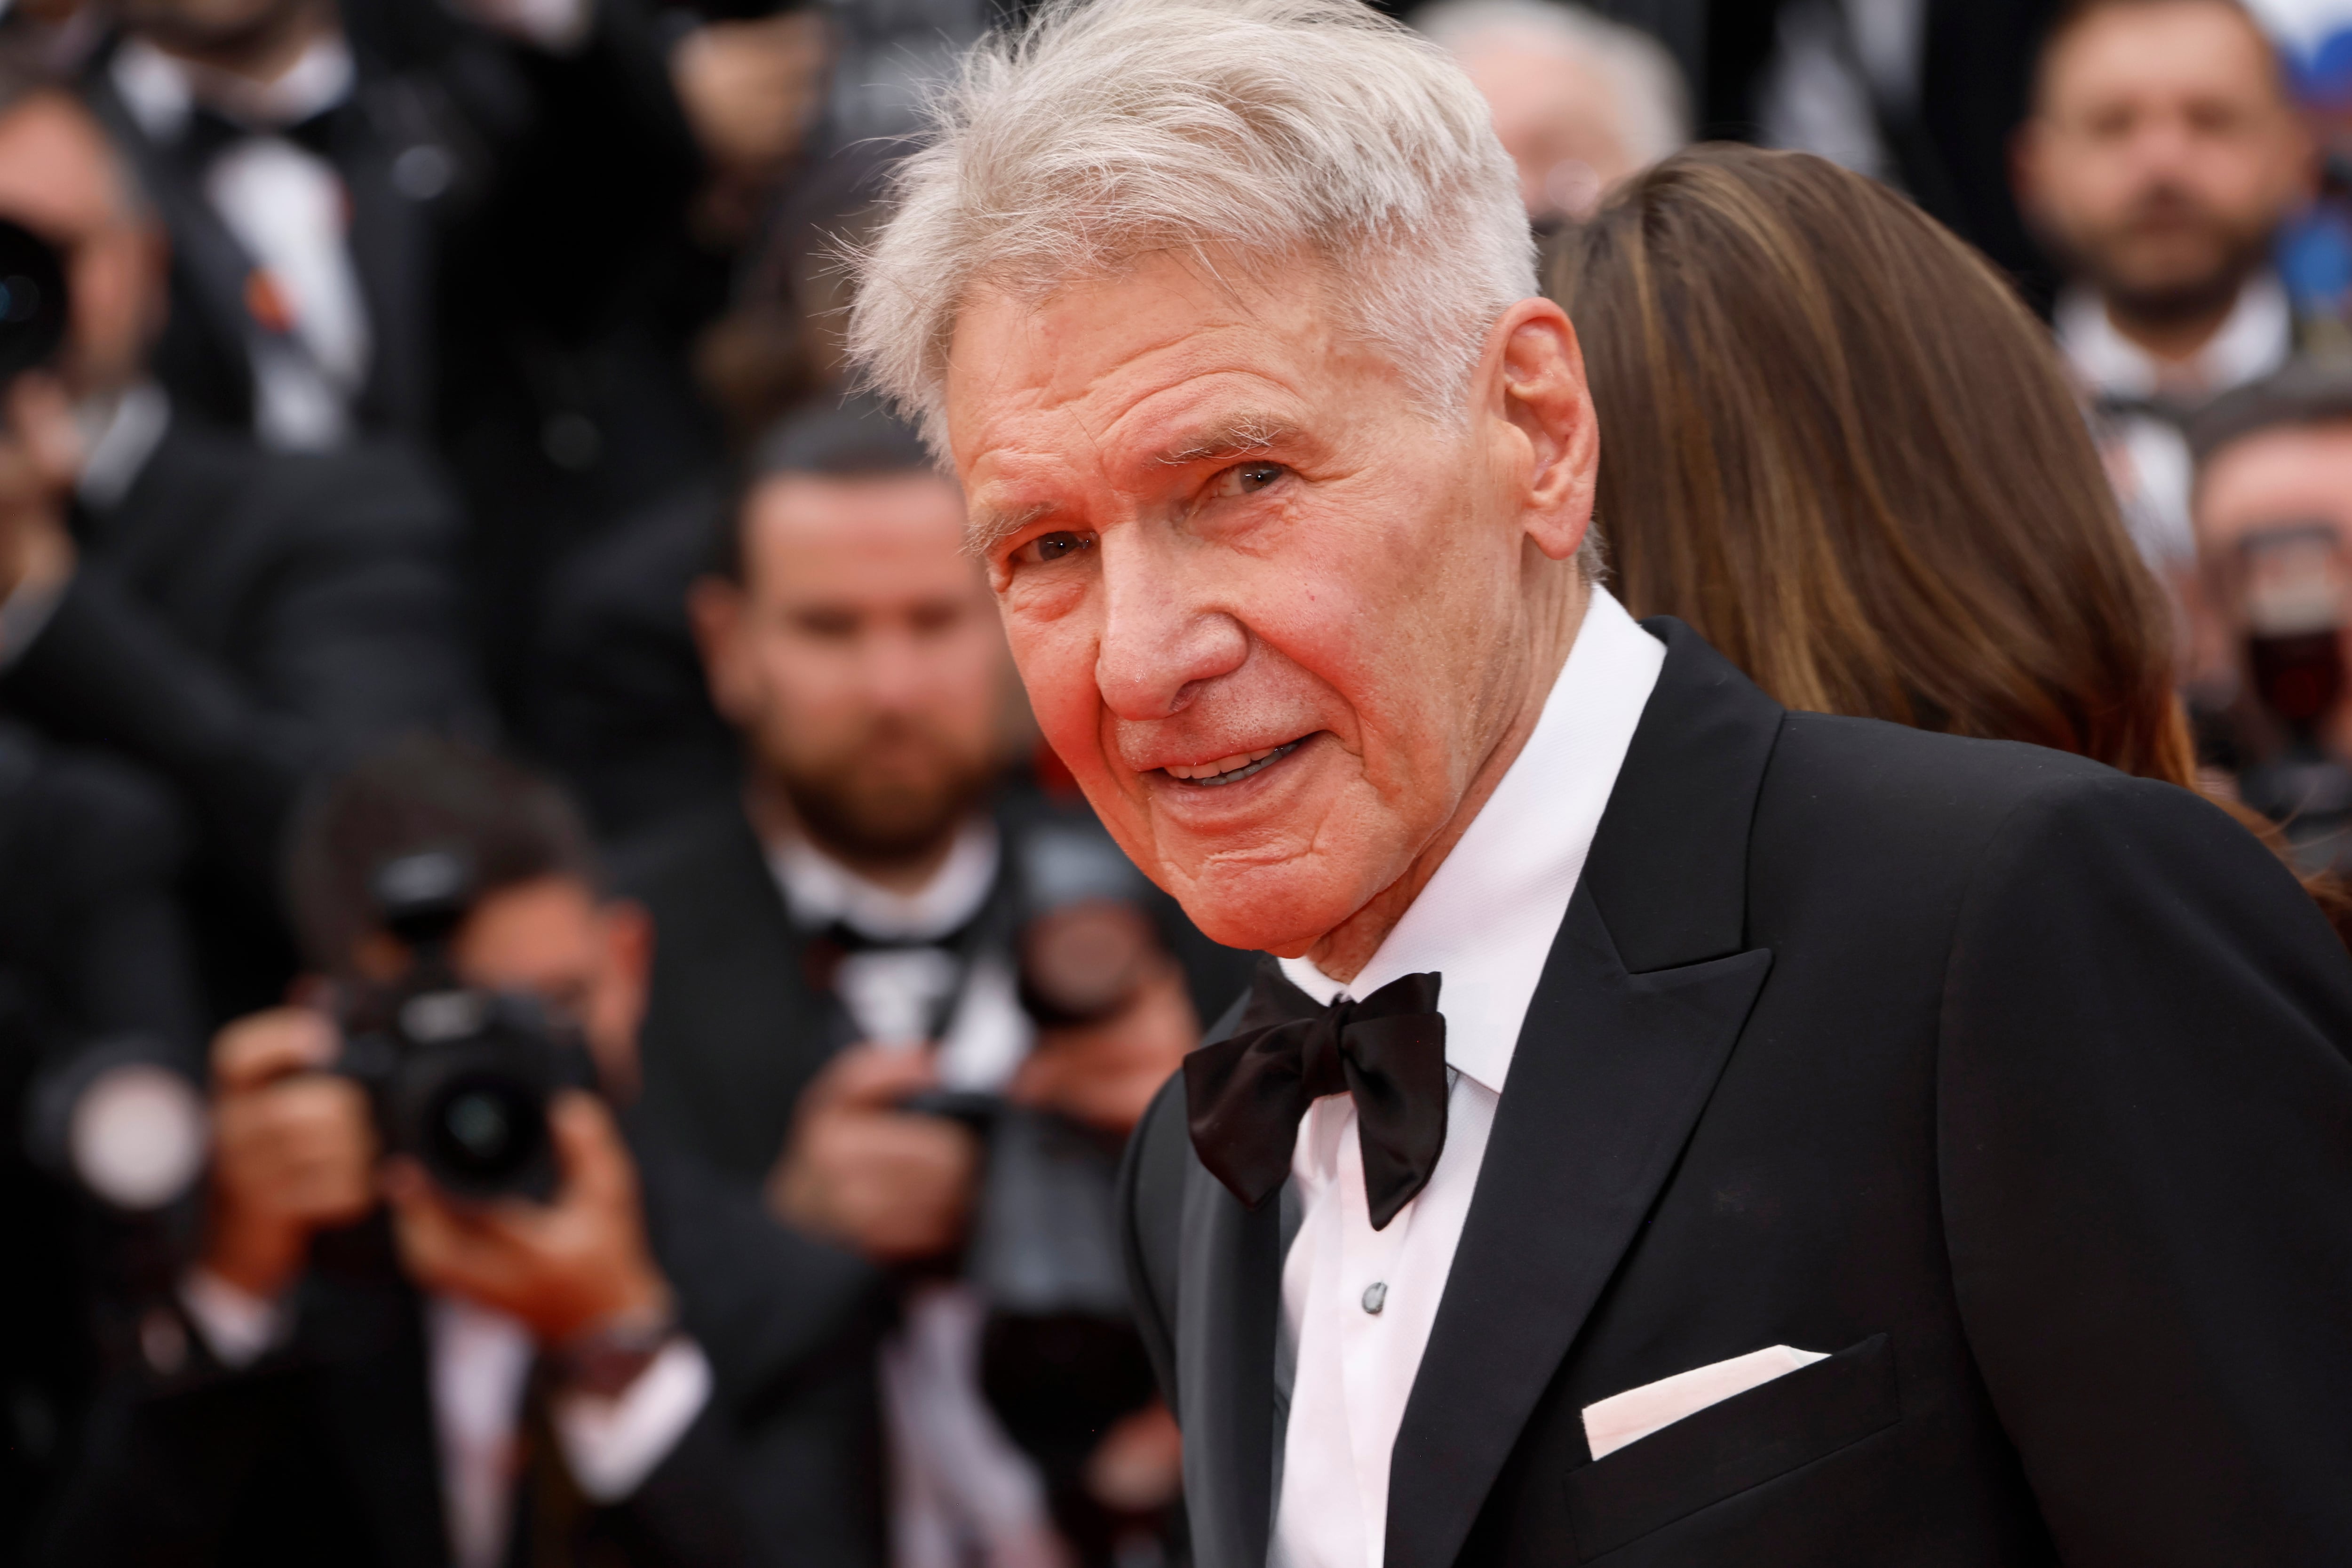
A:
2173	410
1245	1096
209	133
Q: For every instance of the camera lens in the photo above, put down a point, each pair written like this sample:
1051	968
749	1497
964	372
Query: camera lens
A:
486	1131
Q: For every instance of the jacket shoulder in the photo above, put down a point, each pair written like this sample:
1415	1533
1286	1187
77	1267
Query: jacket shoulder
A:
1874	766
1858	820
680	865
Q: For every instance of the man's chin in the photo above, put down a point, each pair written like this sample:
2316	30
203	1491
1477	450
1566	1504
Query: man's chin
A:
1284	909
2176	288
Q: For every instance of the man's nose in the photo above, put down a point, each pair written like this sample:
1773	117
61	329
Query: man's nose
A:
2165	142
1163	638
895	669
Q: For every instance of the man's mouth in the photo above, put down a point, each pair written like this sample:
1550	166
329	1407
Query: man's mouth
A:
1232	769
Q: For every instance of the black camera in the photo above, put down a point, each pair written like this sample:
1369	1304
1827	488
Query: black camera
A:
1060	1360
460	1077
32	301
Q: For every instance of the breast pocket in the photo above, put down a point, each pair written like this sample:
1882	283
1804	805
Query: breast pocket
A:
1725	1448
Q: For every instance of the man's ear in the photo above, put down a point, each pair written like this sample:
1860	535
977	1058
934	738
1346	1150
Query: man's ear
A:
714	608
628	930
1556	456
2025	153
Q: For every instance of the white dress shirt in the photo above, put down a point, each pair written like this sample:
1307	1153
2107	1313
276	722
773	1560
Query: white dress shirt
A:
2147	456
1357	1304
961	1491
478	1364
289	208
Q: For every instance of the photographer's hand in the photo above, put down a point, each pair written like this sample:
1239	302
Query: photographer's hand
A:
892	1184
1105	1074
293	1150
561	1268
40	459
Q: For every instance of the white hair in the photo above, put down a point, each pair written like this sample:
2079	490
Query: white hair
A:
1652	106
1232	133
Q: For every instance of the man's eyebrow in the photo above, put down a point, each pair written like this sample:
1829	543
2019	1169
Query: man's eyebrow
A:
1230	438
987	527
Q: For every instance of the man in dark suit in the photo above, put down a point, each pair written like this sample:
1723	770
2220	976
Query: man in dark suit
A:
474	1383
234	619
466	225
1676	1131
315	162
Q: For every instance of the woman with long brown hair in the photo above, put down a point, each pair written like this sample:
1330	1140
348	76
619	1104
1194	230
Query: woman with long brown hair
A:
1834	442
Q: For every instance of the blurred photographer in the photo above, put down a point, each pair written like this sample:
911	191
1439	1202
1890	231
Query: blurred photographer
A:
855	1007
233	620
365	1364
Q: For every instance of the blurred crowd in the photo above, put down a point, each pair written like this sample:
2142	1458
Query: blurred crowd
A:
553	1008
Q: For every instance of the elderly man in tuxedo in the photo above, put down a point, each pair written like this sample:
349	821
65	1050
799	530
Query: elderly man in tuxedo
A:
1676	1129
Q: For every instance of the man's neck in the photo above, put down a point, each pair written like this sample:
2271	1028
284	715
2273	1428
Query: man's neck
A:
1343	951
2174	339
775	823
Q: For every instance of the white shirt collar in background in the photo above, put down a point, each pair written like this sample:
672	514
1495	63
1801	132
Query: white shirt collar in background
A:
160	89
821	889
118	438
2256	338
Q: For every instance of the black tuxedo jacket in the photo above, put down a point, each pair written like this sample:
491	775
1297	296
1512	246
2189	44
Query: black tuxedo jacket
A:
2018	1085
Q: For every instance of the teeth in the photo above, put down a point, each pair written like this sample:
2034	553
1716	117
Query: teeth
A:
1224	765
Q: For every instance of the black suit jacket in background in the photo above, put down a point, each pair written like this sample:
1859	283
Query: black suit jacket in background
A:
326	1451
518	233
736	1028
733	1032
2018	1085
240	620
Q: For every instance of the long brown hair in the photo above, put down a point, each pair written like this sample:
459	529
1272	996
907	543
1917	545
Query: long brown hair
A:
1833	441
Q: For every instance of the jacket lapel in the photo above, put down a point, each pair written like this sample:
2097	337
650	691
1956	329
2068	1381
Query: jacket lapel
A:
1644	994
1227	1298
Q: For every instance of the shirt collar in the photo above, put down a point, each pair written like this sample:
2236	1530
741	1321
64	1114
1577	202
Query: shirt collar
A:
820	889
1487	918
161	90
119	438
2256	338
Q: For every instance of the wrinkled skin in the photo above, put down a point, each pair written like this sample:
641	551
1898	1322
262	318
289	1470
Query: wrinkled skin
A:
1217	525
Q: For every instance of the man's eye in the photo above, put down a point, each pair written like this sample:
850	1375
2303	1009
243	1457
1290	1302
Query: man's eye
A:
1245	480
1048	548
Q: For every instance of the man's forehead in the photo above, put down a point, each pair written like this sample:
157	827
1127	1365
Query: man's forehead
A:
1086	355
2276	475
2129	50
818	505
800	522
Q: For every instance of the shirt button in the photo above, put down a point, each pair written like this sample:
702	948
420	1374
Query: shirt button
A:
1376	1295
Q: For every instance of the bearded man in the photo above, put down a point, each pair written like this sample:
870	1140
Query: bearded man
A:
1675	1129
2163	156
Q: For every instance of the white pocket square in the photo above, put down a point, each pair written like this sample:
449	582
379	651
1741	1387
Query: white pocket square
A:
1628	1417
